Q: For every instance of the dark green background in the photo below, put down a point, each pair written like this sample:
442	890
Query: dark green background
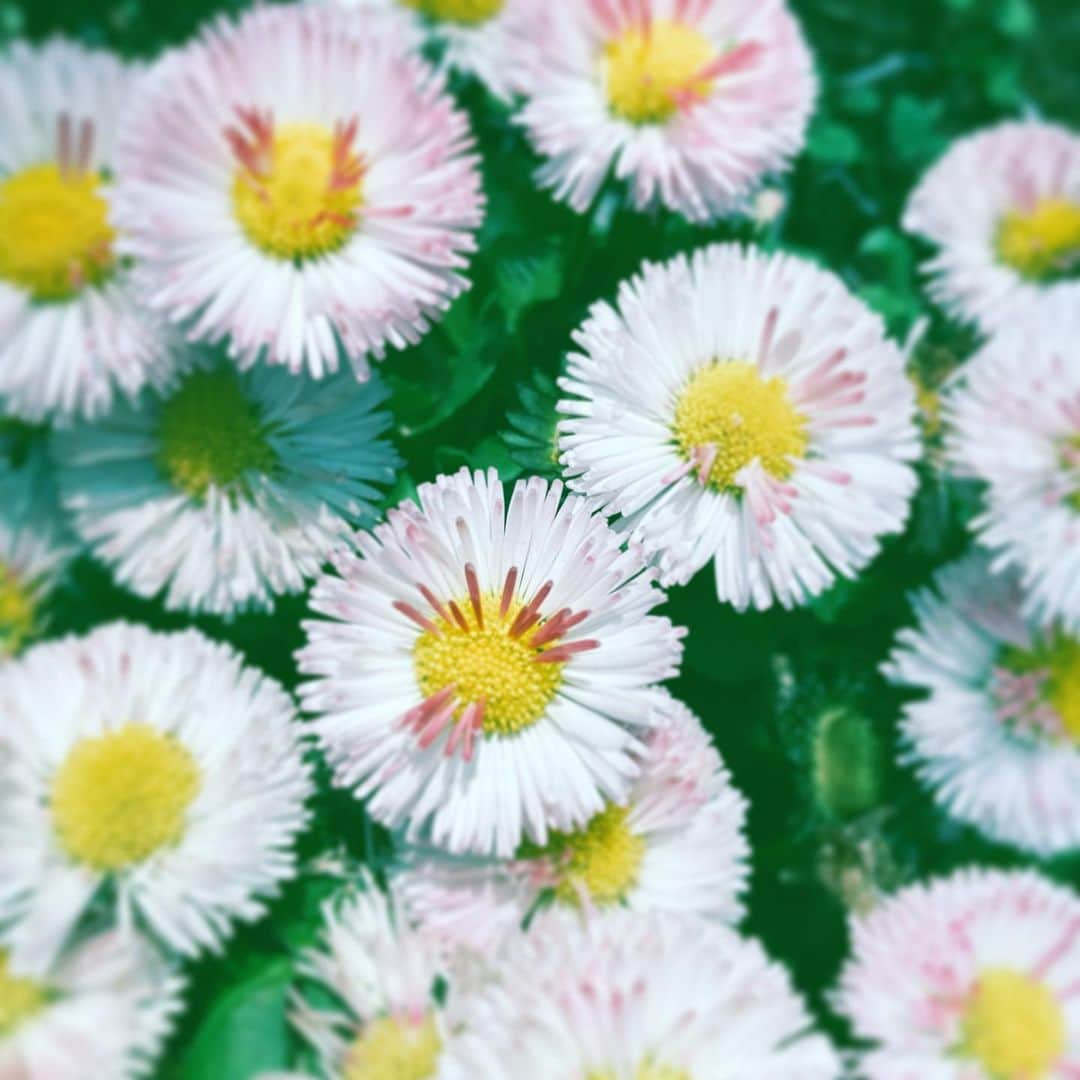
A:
899	81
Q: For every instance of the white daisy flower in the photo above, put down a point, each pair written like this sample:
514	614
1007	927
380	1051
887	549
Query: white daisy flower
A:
997	739
1002	207
474	36
487	664
1013	421
35	549
677	843
158	763
693	102
109	1000
300	183
745	408
231	488
971	977
73	331
629	996
390	986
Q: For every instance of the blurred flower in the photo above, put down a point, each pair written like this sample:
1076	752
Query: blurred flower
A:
970	977
998	737
487	664
302	184
631	996
744	408
695	103
35	548
1014	422
1003	207
156	762
676	843
387	1017
232	487
476	36
109	1001
73	330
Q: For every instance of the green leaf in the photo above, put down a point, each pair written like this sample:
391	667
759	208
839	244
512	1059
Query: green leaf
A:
523	282
488	453
1016	18
915	129
246	1031
833	144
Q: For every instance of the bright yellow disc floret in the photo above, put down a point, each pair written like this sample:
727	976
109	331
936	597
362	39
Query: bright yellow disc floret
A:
392	1049
55	236
1043	242
469	12
119	797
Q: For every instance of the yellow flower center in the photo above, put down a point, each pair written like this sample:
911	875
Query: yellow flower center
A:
649	72
469	12
730	407
1043	243
297	190
118	798
649	1069
18	613
211	434
1013	1026
20	999
392	1049
603	858
55	236
488	663
1059	659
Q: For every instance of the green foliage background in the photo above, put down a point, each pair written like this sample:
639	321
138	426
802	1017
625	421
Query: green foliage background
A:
794	701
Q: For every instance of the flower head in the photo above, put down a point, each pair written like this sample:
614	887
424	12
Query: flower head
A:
484	663
313	219
231	487
676	843
157	762
73	330
1003	208
744	408
970	977
1013	421
389	1018
630	996
108	1000
35	548
997	738
692	102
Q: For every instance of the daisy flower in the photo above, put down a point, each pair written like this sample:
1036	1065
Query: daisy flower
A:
745	408
232	487
158	763
997	738
485	663
692	102
72	329
970	977
382	977
302	184
1013	421
35	549
676	843
473	36
628	996
109	1000
1003	209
